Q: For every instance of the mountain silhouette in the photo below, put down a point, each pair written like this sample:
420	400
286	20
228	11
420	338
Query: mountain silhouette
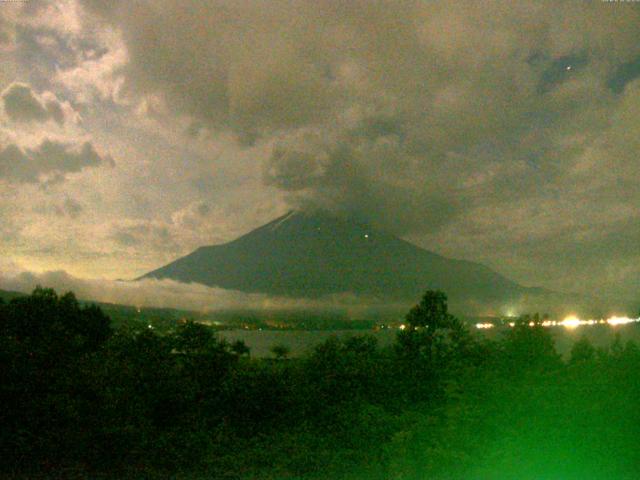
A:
313	254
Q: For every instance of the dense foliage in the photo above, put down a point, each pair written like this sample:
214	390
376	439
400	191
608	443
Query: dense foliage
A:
82	401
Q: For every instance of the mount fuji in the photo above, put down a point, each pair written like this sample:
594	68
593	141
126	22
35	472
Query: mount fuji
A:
314	254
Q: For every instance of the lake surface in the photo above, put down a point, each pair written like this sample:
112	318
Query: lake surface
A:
302	341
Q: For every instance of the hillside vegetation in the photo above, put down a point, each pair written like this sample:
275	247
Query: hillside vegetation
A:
82	400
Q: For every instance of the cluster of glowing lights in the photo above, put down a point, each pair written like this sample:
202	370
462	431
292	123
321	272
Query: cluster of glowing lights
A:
483	326
569	322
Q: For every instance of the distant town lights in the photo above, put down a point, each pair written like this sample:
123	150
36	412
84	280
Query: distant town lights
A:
570	322
621	320
484	326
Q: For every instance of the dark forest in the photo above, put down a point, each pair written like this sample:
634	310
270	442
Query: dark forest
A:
83	400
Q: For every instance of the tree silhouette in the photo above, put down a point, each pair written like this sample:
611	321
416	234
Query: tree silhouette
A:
193	337
240	348
433	342
431	312
582	351
530	348
280	351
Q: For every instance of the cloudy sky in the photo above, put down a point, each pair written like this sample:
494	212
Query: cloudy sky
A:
502	132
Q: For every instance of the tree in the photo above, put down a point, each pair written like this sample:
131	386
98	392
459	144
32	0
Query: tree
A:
431	313
430	323
433	345
616	350
55	324
280	351
349	369
530	348
47	345
193	337
240	348
582	351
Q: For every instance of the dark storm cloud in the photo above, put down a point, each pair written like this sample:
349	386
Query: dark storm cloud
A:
44	48
50	159
22	105
350	178
390	91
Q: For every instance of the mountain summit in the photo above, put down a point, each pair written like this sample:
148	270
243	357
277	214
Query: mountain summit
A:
312	254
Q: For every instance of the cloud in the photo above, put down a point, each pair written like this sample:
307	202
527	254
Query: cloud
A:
21	104
97	75
201	223
70	207
169	293
51	160
5	34
187	228
41	139
193	216
142	233
406	113
479	131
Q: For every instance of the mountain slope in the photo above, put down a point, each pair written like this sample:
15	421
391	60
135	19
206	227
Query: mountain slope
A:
314	254
8	295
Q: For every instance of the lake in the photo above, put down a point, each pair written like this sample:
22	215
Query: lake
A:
302	341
